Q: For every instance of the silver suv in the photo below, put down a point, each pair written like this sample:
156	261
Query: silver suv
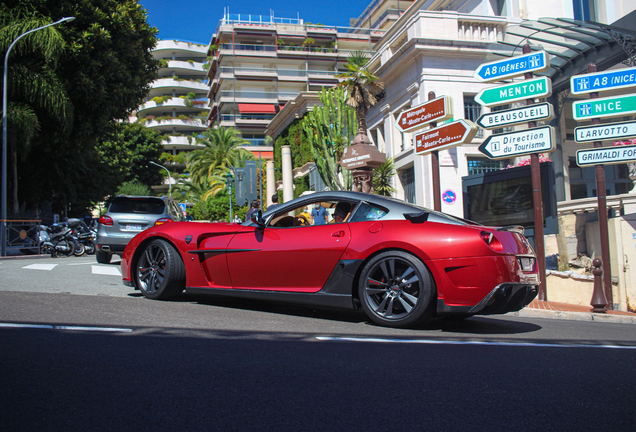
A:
129	215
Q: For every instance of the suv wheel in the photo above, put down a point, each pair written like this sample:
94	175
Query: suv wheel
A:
102	257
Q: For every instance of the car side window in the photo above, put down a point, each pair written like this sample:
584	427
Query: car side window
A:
367	212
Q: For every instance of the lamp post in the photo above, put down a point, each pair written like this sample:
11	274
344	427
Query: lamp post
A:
5	79
169	177
230	179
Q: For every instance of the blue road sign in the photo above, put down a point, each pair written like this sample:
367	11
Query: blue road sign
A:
601	81
512	67
449	196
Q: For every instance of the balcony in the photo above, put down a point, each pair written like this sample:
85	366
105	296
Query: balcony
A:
190	66
169	83
248	96
176	124
262	119
176	102
176	46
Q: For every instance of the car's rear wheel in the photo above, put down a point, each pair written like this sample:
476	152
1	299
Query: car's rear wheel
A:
102	257
396	290
160	273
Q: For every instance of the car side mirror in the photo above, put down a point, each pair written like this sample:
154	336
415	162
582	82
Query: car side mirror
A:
257	218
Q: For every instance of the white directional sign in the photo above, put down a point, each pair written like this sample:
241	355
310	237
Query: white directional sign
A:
605	132
515	92
499	119
514	144
606	155
601	81
512	67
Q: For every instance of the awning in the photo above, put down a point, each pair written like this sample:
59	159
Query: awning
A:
571	45
256	108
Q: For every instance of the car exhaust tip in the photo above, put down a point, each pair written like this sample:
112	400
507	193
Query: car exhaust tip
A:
105	248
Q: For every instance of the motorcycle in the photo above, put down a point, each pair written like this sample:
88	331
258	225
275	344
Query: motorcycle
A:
86	237
62	241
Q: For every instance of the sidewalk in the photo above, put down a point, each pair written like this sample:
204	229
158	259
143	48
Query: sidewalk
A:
554	310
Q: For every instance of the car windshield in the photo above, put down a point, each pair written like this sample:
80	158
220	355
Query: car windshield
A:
137	205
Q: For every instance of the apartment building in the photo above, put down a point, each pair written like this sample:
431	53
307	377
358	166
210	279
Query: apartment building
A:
259	63
177	103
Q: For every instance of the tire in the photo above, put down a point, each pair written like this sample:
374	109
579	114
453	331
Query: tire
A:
159	273
396	290
79	249
90	247
102	257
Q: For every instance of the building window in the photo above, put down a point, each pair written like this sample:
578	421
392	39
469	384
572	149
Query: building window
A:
480	165
584	10
583	180
407	178
472	111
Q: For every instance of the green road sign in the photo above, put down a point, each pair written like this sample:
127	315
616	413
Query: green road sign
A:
519	91
615	106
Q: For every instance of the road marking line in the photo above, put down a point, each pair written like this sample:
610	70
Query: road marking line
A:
82	263
113	271
40	266
447	342
58	327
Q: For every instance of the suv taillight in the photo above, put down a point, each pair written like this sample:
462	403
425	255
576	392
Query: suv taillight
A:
106	220
162	221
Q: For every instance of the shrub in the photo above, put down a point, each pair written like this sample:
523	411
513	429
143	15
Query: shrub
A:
133	188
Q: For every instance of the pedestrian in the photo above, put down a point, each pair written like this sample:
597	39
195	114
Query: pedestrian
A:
237	219
319	214
254	206
274	202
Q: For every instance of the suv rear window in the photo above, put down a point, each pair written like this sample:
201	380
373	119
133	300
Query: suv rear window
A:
137	205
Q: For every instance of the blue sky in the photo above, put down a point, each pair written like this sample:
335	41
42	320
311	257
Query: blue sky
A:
196	20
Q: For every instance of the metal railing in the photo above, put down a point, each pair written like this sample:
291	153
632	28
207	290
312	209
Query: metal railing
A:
22	235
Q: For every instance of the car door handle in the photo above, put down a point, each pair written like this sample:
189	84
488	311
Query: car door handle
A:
338	234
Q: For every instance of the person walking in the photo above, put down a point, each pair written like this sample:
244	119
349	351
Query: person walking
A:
253	207
319	214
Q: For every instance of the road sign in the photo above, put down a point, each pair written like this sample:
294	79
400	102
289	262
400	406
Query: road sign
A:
446	136
499	119
605	132
601	81
512	67
449	196
514	144
438	109
606	155
615	106
515	92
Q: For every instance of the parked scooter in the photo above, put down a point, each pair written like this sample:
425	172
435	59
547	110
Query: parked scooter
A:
86	237
62	241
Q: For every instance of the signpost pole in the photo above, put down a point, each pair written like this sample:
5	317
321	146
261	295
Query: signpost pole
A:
602	213
537	202
437	200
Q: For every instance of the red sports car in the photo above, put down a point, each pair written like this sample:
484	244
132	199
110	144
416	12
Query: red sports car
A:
400	263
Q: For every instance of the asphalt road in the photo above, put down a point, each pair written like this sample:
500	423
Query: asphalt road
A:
80	351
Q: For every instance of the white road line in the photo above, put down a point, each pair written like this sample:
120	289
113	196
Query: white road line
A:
40	266
113	271
448	342
57	327
81	263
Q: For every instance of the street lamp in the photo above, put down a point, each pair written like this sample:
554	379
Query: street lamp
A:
169	177
3	215
230	179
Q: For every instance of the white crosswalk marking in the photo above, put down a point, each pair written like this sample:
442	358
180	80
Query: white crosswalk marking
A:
103	270
40	266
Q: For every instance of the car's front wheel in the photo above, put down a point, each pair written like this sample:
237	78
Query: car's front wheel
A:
396	290
160	272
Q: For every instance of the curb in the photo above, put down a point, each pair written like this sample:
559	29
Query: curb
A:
20	257
576	316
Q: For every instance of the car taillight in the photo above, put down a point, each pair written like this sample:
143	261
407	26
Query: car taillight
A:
162	221
490	239
106	220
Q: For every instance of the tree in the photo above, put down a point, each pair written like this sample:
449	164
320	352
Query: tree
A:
106	71
362	87
222	152
33	85
382	178
327	127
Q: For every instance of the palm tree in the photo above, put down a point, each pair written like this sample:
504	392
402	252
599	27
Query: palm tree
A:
382	178
222	153
33	85
362	87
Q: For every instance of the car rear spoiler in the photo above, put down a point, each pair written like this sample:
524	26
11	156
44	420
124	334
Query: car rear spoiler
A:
513	228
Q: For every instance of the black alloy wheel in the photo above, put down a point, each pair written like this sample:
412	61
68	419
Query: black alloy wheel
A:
396	290
160	273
